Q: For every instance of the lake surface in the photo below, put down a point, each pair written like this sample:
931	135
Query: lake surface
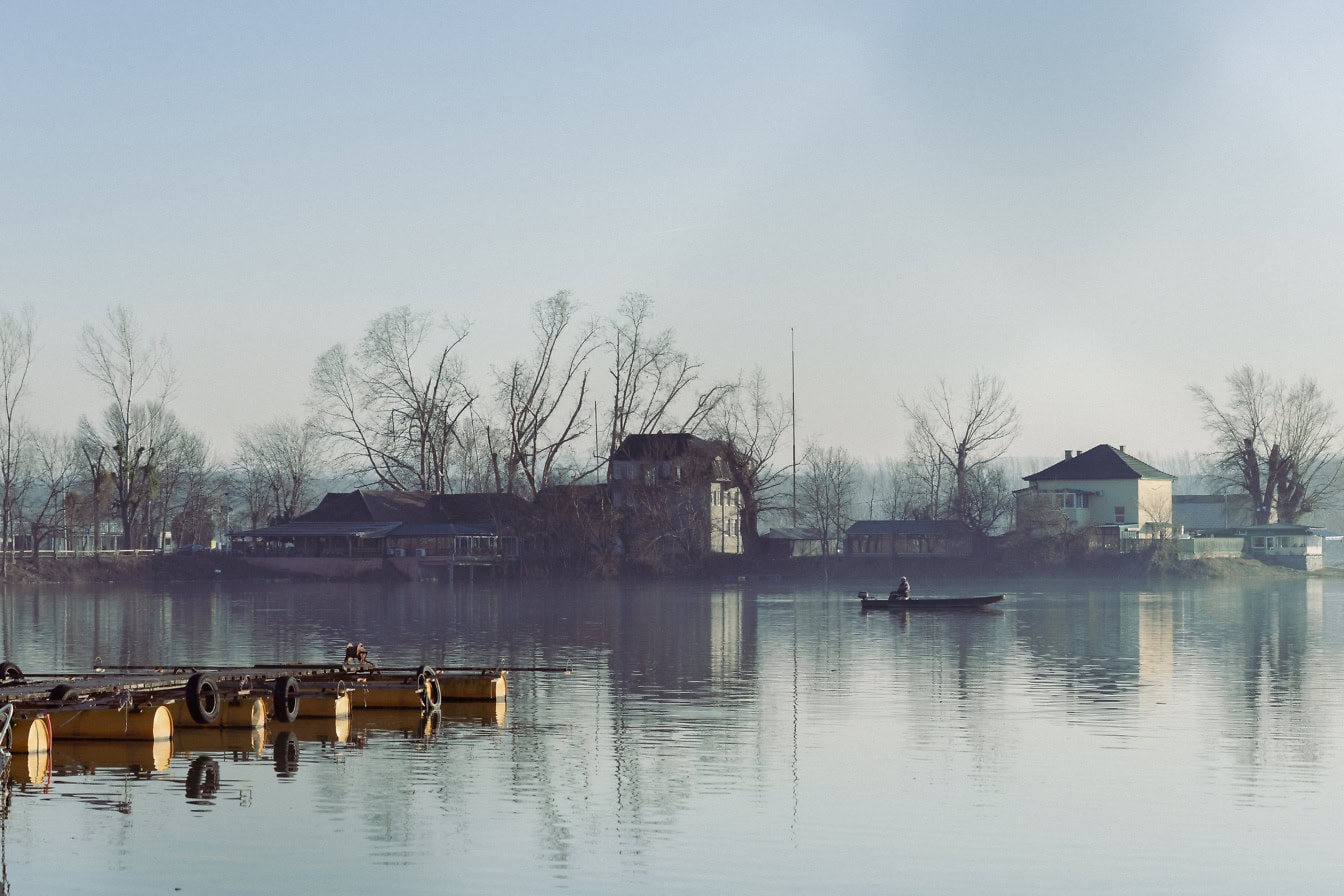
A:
1078	738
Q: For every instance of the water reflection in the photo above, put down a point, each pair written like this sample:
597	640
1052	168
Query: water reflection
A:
780	726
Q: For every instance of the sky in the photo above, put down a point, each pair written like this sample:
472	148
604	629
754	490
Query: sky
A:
1099	203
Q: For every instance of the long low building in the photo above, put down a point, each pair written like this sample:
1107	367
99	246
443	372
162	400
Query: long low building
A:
364	532
925	538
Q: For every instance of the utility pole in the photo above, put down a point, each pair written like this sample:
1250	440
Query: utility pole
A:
793	410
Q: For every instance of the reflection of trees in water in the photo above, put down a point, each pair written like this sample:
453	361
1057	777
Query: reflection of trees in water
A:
949	680
1086	646
1248	646
1259	642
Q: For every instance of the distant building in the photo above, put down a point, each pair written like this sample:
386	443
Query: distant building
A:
365	531
1281	544
793	542
677	497
1210	513
1102	488
925	538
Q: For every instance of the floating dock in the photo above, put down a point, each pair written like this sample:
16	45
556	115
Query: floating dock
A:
152	704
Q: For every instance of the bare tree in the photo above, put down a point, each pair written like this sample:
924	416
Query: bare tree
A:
653	381
56	464
393	408
966	434
826	491
928	477
895	490
16	358
1157	507
988	499
1275	442
750	422
475	466
542	398
277	465
186	481
135	374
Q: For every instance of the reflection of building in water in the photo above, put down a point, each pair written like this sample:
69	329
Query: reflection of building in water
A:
725	637
1315	606
1156	638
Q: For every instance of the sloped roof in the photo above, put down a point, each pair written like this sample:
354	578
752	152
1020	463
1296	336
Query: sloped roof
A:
908	527
1101	462
300	529
663	446
382	514
702	457
794	533
367	505
478	507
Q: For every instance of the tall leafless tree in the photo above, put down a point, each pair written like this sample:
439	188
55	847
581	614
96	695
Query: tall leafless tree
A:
896	491
826	492
964	434
987	500
1275	442
186	480
928	477
17	330
654	383
392	409
750	421
56	465
543	398
277	464
136	375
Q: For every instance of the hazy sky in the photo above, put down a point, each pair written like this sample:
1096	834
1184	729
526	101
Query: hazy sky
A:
1100	203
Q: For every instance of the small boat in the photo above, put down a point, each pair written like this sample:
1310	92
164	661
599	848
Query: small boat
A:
870	602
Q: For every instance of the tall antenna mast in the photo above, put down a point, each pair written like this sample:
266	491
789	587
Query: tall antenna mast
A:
793	410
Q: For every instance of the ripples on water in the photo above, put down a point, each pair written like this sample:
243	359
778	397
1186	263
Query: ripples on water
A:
1076	738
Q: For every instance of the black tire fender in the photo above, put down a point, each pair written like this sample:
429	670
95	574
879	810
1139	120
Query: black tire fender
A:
431	691
64	693
203	701
202	778
285	698
286	754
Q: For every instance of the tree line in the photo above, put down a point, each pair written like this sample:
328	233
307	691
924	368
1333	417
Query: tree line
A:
399	409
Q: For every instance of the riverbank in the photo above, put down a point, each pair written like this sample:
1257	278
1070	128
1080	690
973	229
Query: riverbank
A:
137	569
860	572
879	572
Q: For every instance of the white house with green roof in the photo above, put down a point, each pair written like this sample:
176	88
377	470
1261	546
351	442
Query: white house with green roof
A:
1103	487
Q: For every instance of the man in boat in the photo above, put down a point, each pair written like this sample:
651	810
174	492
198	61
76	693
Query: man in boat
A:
902	591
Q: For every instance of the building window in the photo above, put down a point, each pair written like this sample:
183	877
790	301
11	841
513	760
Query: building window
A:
1119	514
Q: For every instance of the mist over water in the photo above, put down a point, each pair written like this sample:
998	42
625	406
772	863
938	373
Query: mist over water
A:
1077	737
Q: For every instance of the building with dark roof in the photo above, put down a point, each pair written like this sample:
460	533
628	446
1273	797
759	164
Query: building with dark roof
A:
1103	487
794	541
364	531
925	538
1197	514
676	495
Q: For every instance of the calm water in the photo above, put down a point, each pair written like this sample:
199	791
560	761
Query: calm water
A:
1083	738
